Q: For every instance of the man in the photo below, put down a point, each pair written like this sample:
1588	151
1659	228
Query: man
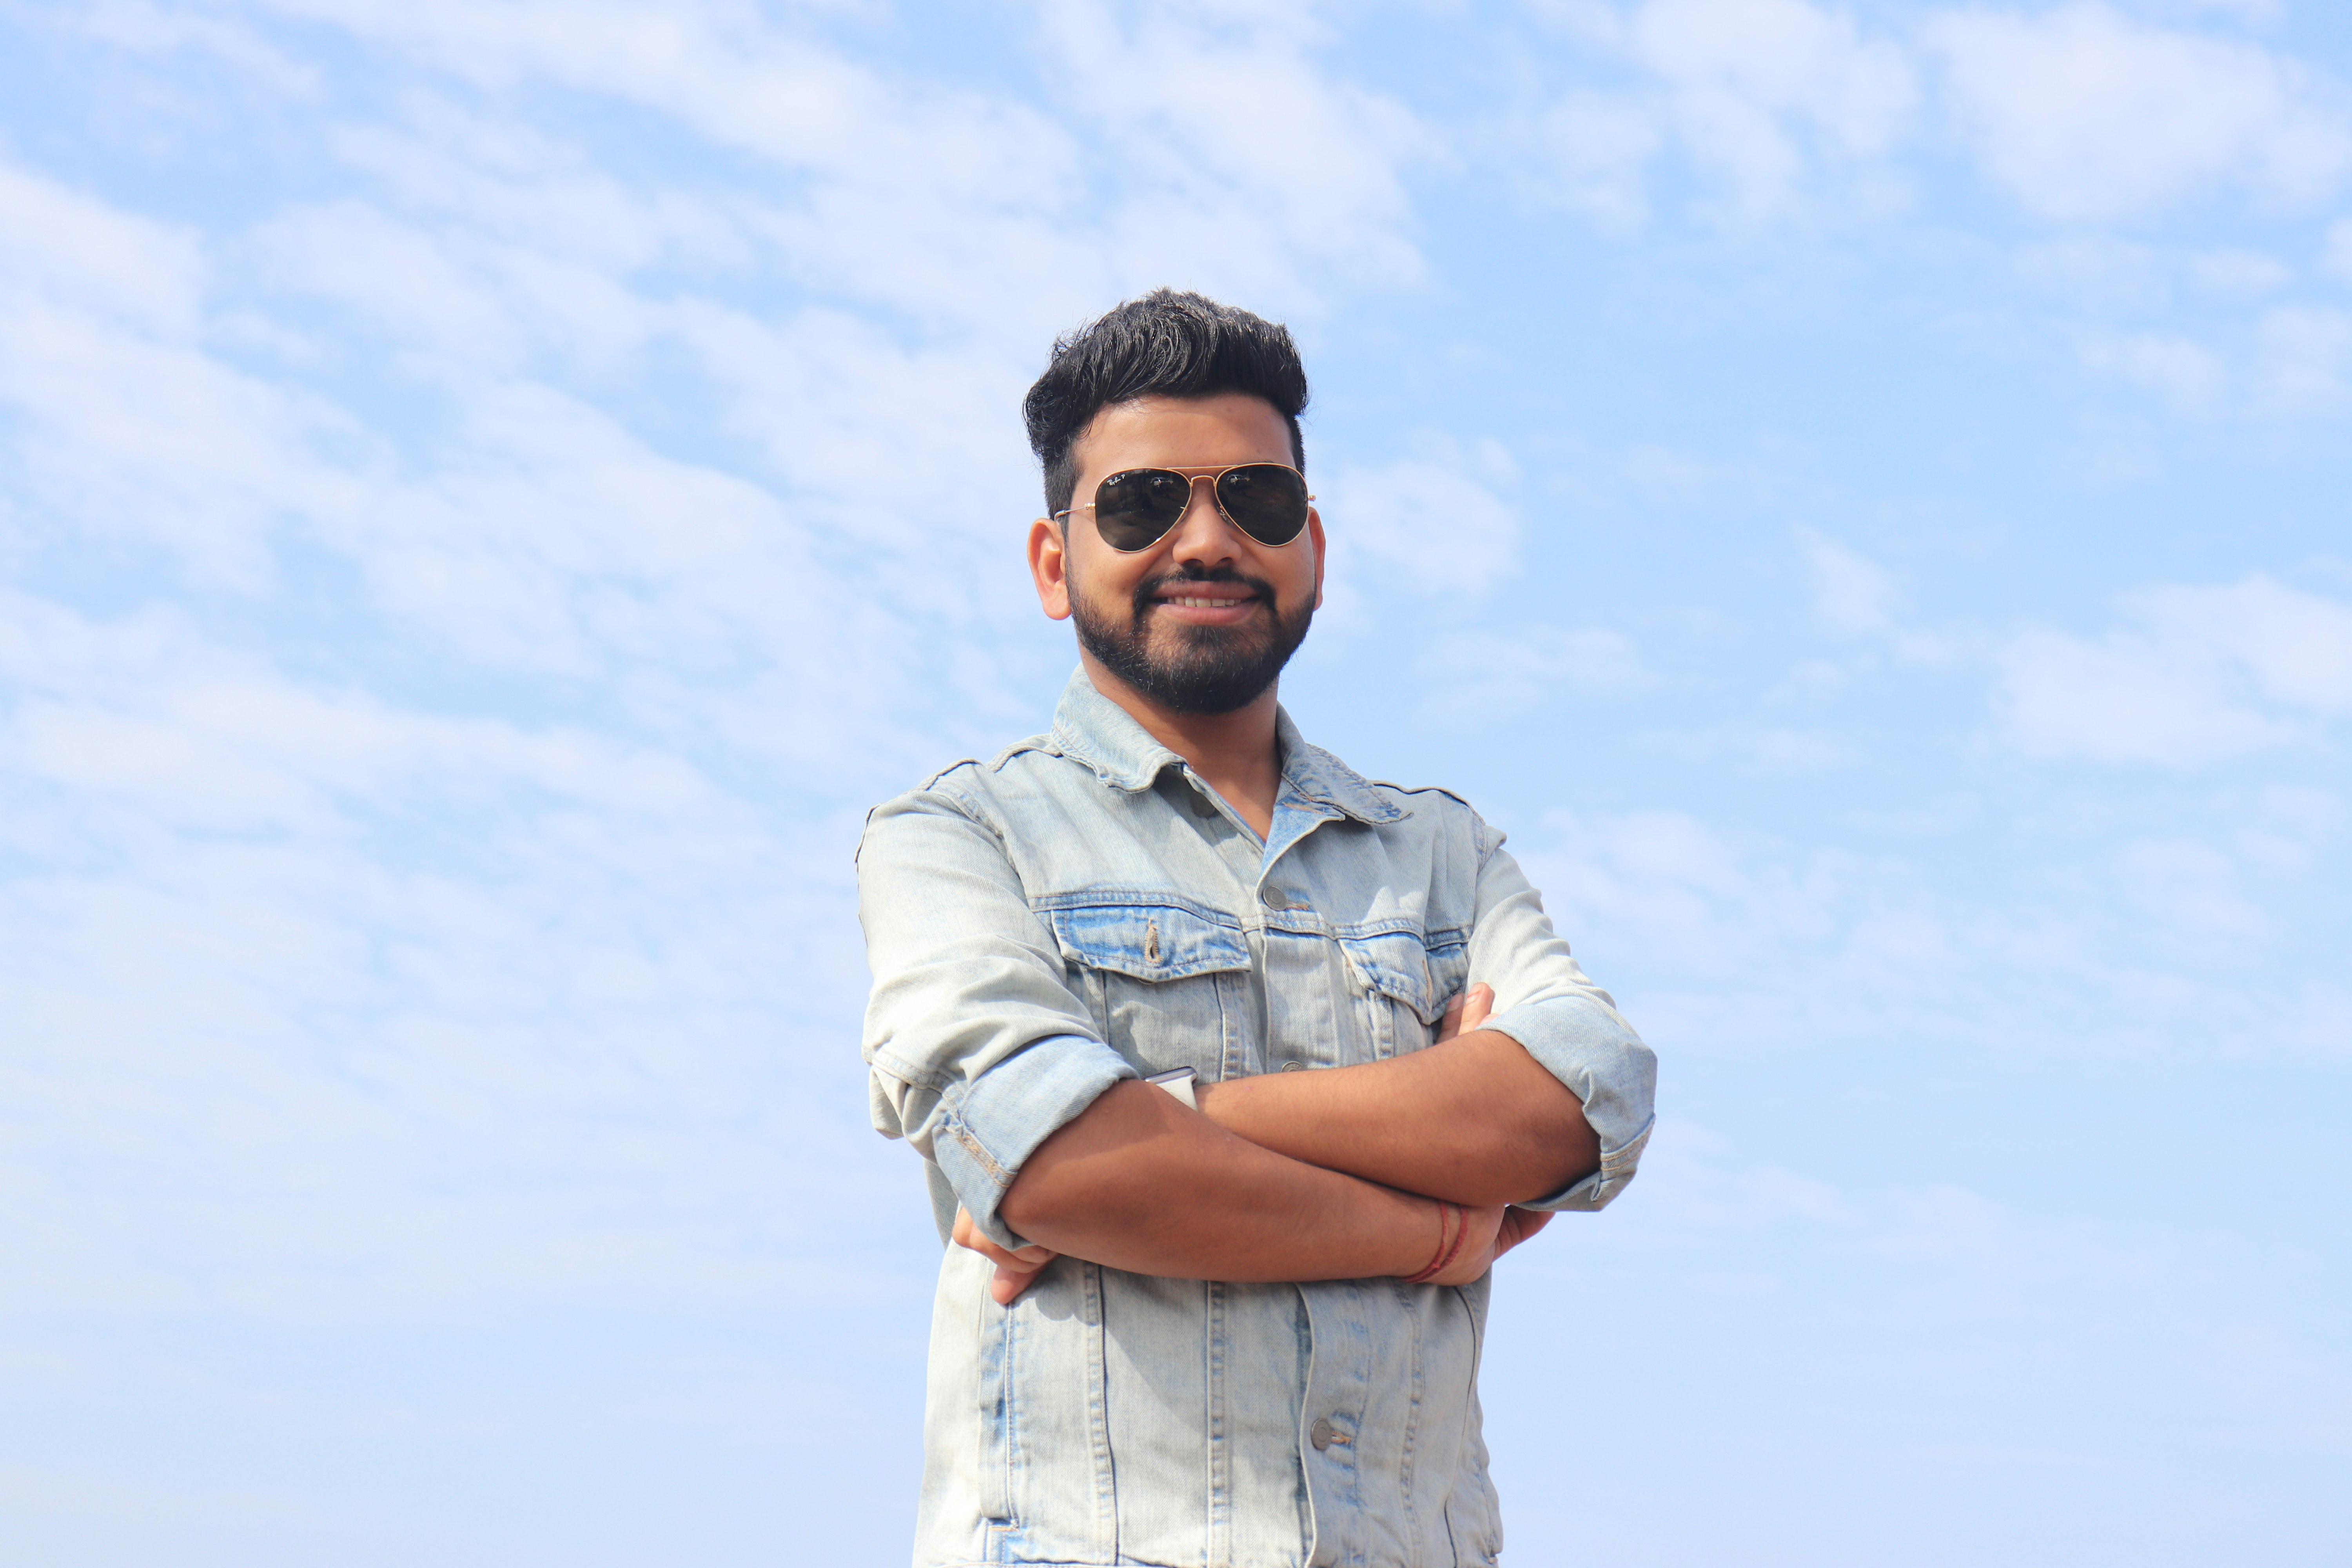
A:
1178	1011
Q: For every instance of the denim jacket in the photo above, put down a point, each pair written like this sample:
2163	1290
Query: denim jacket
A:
1085	908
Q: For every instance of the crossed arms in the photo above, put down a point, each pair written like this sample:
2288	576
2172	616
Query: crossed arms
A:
1333	1175
986	1060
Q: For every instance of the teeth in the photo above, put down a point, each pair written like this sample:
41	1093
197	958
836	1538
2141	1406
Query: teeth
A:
1204	603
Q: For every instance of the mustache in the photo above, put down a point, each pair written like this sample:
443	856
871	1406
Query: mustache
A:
1148	591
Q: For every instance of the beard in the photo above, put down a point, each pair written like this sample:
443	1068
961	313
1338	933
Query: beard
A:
1211	670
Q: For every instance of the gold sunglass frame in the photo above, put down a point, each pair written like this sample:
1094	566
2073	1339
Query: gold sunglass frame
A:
1195	476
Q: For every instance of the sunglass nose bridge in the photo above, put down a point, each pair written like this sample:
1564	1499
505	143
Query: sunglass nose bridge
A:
1136	508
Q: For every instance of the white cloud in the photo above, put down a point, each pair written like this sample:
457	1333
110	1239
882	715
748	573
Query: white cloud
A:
1765	98
1598	147
2297	645
2302	363
2085	115
2259	12
2082	113
2191	380
2124	700
1436	516
61	248
2335	258
2098	273
1255	157
427	994
1239	161
420	298
289	971
1494	683
149	715
2291	363
2189	886
2105	276
152	438
2192	675
2241	274
124	424
1852	595
1746	72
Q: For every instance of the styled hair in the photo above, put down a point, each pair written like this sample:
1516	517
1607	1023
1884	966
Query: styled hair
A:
1169	344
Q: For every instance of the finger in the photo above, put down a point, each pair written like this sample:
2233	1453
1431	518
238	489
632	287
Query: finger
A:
1519	1226
1479	1247
1026	1260
1477	1006
1450	1025
968	1236
1008	1283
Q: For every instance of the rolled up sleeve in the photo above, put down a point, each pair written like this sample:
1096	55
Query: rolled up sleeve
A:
976	1048
1543	1000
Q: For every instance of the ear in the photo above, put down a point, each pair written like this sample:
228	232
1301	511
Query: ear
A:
1314	538
1049	567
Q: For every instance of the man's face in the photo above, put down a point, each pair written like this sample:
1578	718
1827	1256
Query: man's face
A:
1202	620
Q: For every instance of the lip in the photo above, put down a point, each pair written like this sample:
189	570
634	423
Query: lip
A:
1218	610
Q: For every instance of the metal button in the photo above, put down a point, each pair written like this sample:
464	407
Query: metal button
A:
1272	898
1322	1434
1202	805
1292	1067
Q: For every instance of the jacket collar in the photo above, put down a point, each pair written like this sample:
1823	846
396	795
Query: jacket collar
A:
1090	728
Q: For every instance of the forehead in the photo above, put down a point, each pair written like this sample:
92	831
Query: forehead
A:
1182	433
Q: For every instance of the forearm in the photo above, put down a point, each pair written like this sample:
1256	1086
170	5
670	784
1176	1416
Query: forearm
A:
1140	1183
1474	1118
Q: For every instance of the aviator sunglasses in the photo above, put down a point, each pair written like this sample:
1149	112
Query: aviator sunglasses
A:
1135	508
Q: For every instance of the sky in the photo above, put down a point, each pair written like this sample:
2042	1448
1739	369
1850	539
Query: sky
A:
491	493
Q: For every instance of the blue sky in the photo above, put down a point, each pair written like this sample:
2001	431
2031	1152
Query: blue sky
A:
492	493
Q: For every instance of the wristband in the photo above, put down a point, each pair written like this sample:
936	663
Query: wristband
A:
1459	1227
1177	1081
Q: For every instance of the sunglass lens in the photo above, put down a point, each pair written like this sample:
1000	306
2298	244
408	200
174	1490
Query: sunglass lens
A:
1265	500
1134	509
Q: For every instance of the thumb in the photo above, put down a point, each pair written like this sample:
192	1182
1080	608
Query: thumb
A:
1450	1025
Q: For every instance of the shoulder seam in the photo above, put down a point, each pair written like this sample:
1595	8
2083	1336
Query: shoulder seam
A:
1421	789
933	782
1031	743
1482	835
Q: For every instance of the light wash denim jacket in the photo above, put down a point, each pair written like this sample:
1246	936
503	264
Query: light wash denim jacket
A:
1082	910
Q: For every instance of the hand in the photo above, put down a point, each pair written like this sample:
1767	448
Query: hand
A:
1493	1232
1014	1270
1470	1011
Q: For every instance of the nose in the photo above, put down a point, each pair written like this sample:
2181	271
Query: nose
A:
1202	536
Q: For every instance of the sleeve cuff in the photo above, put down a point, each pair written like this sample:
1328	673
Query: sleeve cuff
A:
991	1125
1604	1064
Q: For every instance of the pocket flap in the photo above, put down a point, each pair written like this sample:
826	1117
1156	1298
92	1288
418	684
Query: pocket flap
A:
1147	939
1395	965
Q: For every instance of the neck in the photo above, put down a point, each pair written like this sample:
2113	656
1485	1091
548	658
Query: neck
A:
1236	753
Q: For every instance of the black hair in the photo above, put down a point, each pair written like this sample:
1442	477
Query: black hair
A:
1168	343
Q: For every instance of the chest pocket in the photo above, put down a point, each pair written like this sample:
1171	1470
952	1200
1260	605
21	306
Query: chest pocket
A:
1167	980
1409	980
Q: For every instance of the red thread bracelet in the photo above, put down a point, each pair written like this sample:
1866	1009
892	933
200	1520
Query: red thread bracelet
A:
1445	1248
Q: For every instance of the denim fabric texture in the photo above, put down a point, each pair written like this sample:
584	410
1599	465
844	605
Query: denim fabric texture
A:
1084	908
